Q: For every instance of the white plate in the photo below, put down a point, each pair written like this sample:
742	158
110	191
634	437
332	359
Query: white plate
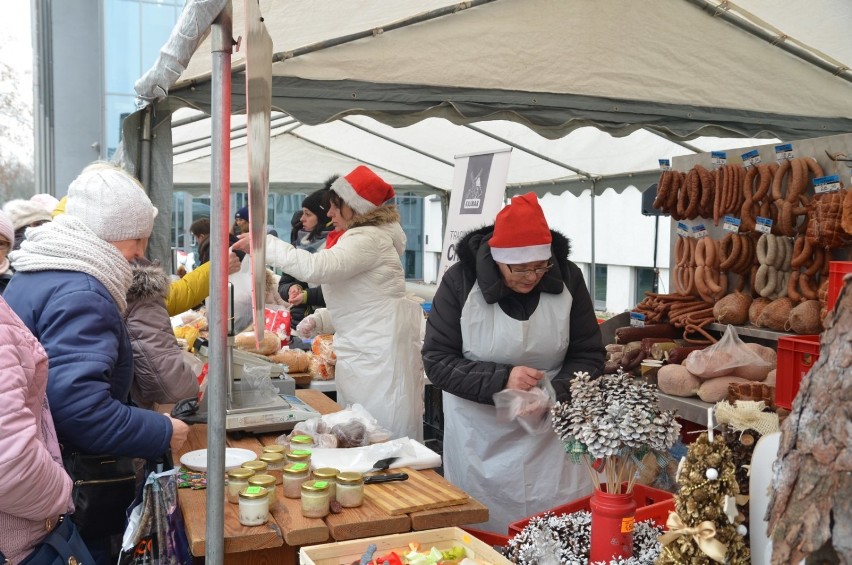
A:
234	457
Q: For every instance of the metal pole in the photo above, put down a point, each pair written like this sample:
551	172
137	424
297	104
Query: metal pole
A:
145	148
656	286
592	267
219	371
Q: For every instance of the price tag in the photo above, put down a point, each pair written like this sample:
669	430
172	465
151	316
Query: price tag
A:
665	165
731	224
824	185
682	229
699	231
763	225
783	152
719	158
637	319
751	158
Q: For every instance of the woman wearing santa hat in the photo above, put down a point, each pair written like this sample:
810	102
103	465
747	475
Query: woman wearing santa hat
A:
376	325
512	312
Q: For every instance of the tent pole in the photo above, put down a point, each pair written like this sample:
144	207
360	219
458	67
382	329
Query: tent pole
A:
592	268
145	149
220	370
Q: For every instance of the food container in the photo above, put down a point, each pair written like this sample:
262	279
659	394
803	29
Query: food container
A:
350	489
274	448
796	356
294	475
315	499
267	482
299	456
328	474
237	481
441	538
254	506
649	369
301	441
258	466
275	463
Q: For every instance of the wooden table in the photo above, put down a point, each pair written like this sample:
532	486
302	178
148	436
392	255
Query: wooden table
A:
278	540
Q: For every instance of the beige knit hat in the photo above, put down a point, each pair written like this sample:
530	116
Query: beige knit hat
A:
111	203
25	212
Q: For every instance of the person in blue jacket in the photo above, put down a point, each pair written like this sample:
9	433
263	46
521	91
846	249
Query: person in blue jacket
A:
69	289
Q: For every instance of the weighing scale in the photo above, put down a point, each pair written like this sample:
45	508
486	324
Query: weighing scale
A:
251	410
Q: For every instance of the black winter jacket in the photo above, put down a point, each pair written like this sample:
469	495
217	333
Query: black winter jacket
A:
445	365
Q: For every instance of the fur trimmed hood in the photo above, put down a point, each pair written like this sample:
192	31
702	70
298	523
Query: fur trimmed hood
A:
386	214
149	281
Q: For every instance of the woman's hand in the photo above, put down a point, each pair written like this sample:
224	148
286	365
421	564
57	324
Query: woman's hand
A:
524	378
233	263
180	431
295	296
242	243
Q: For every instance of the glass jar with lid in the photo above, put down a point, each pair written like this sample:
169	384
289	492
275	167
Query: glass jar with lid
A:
299	456
301	441
267	482
254	506
294	475
350	489
328	474
237	481
315	499
274	448
258	466
274	464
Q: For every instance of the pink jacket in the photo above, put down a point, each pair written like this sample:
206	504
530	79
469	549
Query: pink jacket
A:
34	487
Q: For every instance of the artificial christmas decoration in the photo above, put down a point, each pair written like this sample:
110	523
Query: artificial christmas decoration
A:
703	528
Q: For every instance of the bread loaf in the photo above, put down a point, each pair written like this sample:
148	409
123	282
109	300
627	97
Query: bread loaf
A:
246	341
295	359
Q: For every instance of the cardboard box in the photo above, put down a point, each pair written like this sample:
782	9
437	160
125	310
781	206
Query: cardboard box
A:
442	538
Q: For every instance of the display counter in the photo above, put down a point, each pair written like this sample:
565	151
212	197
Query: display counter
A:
278	541
691	409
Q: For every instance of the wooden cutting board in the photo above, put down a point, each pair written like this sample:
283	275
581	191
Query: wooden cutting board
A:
416	493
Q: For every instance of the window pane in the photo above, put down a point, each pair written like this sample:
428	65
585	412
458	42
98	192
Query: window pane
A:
117	108
157	23
644	282
121	46
600	287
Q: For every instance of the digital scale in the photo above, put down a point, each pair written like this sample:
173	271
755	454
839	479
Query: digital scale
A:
254	411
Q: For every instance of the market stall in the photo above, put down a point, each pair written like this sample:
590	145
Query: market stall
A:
279	540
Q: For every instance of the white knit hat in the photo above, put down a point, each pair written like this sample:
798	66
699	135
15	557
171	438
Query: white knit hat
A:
111	203
25	212
46	201
7	230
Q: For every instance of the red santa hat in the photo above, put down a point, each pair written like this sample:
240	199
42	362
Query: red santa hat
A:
521	234
363	190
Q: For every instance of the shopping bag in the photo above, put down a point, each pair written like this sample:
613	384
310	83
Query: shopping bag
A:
155	533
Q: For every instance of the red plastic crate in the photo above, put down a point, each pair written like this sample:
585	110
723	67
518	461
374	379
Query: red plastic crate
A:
836	271
796	356
490	538
651	504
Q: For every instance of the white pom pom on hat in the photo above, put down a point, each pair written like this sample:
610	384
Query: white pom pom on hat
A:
363	190
521	234
111	203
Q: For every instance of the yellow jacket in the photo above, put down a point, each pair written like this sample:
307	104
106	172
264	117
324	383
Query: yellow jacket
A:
189	291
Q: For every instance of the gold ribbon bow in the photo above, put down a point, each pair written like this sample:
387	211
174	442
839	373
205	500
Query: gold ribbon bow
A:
704	535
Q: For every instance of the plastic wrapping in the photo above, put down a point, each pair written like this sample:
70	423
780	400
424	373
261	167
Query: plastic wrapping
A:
351	434
530	408
721	358
256	386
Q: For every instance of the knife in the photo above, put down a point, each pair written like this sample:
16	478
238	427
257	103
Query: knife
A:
374	479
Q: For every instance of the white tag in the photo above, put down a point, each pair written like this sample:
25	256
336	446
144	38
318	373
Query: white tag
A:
699	231
763	225
731	224
682	229
751	158
719	158
637	319
824	185
783	152
665	165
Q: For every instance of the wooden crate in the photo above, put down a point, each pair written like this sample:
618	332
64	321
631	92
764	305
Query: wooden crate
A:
442	538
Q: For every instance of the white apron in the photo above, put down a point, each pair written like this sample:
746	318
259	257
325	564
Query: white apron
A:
512	472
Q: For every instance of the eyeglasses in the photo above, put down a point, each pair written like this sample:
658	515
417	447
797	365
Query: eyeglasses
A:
527	272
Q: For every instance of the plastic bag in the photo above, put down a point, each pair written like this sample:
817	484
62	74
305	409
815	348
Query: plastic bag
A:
530	408
256	386
721	358
155	533
243	309
277	319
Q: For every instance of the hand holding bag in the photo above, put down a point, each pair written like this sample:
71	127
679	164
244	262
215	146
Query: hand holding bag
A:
62	546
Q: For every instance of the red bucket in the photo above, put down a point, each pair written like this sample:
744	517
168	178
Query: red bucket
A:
613	516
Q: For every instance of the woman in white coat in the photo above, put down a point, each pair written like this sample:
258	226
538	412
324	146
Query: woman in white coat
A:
376	325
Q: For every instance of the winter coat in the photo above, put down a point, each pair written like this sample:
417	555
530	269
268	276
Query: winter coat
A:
189	291
376	324
91	364
446	366
35	486
5	277
162	373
